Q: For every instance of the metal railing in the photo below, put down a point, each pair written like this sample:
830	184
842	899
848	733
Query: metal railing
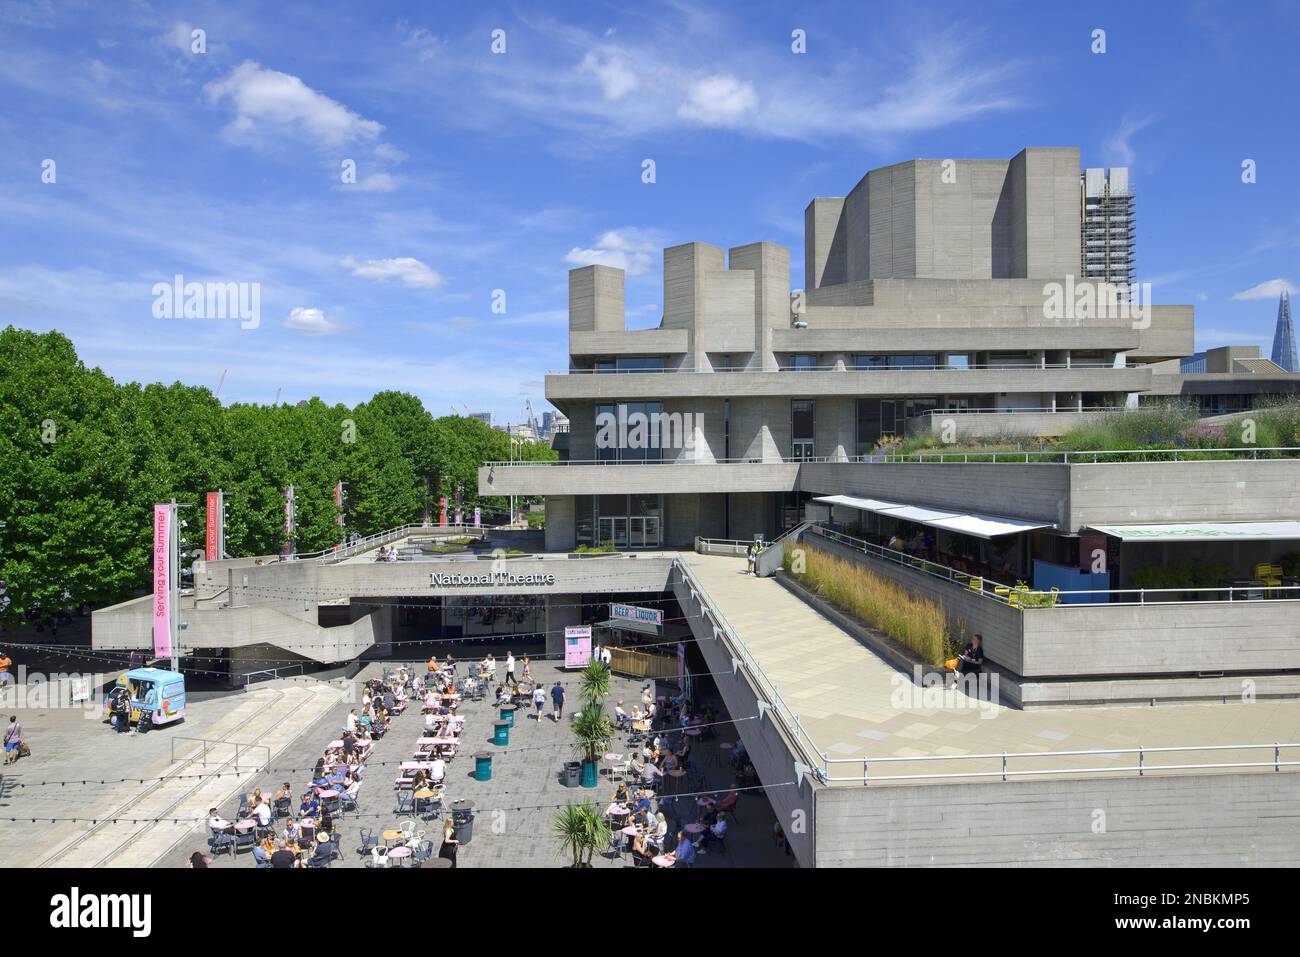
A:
270	674
208	744
1004	770
1049	457
850	367
1091	457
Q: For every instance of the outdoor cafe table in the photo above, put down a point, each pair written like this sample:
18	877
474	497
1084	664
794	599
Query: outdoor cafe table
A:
393	834
662	861
400	852
617	810
247	824
695	828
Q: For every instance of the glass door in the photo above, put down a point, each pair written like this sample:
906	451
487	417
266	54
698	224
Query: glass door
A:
636	531
605	531
620	531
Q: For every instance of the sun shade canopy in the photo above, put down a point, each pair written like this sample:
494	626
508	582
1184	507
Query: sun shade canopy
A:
1203	531
963	523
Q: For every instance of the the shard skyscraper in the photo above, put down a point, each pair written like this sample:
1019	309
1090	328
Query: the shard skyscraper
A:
1284	336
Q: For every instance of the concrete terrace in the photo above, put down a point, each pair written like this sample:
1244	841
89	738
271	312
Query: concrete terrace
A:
847	699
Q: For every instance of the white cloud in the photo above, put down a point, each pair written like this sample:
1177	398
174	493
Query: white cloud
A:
268	100
409	272
719	101
1272	289
313	322
616	78
689	70
377	183
632	250
1118	148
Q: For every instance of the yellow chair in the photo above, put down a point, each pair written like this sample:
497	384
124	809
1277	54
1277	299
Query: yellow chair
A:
1270	575
1012	595
976	584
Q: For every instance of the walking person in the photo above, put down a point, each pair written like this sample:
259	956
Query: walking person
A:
6	678
510	668
13	738
539	702
751	558
557	700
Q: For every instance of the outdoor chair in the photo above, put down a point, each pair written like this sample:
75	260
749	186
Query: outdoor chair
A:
282	808
244	841
405	802
220	841
378	857
347	802
422	853
368	840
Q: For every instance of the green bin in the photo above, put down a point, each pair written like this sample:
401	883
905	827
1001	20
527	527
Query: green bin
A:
483	766
501	733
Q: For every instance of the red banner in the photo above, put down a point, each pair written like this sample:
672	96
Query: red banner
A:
442	511
211	547
162	585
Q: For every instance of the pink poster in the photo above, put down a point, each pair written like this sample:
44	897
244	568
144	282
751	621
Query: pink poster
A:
162	585
577	646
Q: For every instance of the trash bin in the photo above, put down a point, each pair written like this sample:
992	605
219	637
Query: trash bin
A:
572	773
508	714
483	766
462	821
501	733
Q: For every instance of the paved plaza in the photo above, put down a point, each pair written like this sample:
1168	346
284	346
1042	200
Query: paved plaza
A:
513	811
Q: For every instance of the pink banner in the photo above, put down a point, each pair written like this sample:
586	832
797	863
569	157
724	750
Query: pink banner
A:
162	590
577	646
210	549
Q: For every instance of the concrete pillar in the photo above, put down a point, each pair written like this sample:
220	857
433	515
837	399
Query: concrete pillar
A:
561	612
596	299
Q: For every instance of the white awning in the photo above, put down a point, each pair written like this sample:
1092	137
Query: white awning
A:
963	523
1203	531
866	504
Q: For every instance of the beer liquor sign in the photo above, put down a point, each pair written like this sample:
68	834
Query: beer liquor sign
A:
647	616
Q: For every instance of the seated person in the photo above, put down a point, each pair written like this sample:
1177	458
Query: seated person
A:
219	824
684	854
437	771
309	806
620	715
970	661
718	831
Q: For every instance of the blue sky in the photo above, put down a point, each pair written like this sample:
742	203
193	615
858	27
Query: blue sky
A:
479	171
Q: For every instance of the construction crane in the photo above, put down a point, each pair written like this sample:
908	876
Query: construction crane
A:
532	419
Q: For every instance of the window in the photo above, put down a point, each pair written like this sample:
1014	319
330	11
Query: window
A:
629	432
803	363
873	361
803	429
959	360
630	364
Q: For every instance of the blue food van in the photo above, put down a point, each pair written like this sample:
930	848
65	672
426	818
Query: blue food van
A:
155	690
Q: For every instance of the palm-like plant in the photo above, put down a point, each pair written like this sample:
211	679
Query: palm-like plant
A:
593	731
581	830
593	683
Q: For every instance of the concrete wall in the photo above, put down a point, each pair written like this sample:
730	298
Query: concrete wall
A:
1212	820
1154	492
561	528
596	299
1037	492
1168	638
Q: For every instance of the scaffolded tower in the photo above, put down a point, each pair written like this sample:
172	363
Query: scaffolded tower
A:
1107	228
1284	336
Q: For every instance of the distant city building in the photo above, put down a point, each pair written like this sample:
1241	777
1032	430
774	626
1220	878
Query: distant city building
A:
1284	336
484	417
1106	226
523	431
553	422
